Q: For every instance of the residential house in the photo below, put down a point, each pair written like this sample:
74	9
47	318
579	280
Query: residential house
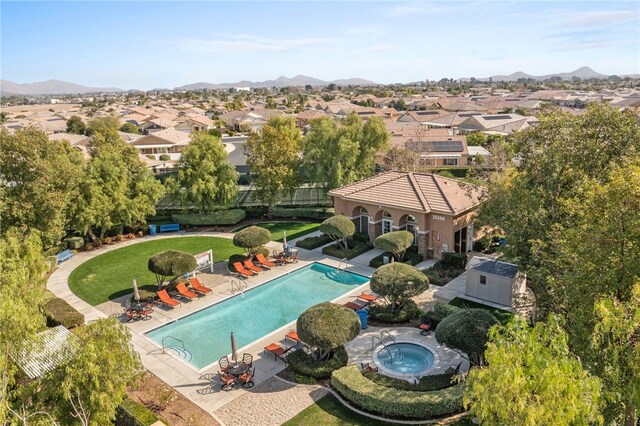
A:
168	141
501	124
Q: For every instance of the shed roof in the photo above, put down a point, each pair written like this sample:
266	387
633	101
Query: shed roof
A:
493	267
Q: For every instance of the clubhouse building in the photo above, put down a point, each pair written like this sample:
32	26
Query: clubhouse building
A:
438	211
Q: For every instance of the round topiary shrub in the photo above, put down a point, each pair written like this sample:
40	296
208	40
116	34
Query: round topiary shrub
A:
171	263
468	331
339	228
306	364
165	157
408	310
327	326
398	282
251	239
397	242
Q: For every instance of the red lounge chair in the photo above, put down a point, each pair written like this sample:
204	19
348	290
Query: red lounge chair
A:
242	271
167	300
250	266
277	351
264	262
184	292
355	305
293	335
195	283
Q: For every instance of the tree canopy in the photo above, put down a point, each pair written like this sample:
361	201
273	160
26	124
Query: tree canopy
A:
129	128
273	157
531	378
339	154
106	124
326	326
397	282
401	159
338	228
251	238
76	126
173	263
468	331
205	176
397	242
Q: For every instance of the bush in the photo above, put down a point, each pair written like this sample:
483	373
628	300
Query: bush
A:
398	282
338	228
396	242
224	217
52	262
434	277
327	326
59	312
356	248
452	260
389	402
308	212
440	311
305	380
311	243
151	156
361	237
468	331
235	258
410	258
251	238
407	311
165	157
75	243
303	363
171	263
132	413
425	384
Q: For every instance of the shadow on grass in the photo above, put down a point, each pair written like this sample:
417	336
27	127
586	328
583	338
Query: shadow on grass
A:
147	290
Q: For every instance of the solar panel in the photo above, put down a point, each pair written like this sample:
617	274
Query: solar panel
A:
435	146
497	117
427	113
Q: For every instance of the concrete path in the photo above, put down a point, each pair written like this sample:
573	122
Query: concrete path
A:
365	258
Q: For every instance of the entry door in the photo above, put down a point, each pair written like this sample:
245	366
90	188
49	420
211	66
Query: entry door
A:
414	230
364	225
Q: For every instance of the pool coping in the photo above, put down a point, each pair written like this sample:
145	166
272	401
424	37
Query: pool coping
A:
409	377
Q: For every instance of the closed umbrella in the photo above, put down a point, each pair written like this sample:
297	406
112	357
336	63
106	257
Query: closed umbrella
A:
284	241
234	355
136	293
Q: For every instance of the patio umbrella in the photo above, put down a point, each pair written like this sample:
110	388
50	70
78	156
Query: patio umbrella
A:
234	355
136	293
284	241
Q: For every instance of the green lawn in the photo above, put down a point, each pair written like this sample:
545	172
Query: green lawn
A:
294	229
502	315
110	275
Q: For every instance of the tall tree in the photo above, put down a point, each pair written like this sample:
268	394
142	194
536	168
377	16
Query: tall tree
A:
103	125
532	379
76	126
273	158
117	187
336	155
401	159
40	179
205	176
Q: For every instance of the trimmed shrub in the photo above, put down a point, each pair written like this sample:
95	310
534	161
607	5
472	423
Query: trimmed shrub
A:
327	326
52	262
74	243
434	277
425	384
151	156
389	402
361	237
338	228
398	282
303	363
501	315
235	258
440	311
252	238
396	242
410	258
356	248
171	263
452	260
59	312
132	413
224	217
468	331
311	243
308	212
165	157
305	380
407	311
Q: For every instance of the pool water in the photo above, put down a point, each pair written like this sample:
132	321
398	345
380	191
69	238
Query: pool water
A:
406	358
254	314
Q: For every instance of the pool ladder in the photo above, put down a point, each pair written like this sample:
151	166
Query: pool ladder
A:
393	357
342	265
238	286
180	351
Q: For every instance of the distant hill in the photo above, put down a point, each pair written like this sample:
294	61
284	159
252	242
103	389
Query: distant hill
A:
50	87
583	73
282	81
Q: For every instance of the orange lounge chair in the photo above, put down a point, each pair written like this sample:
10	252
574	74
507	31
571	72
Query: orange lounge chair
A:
293	335
184	292
264	262
242	271
368	297
250	266
195	283
278	351
166	299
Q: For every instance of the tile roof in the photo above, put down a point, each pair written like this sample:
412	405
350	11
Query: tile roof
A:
413	191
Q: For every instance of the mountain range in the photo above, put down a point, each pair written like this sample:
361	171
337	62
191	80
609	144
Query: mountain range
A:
582	73
50	87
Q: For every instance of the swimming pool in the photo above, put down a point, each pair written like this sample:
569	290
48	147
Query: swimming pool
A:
256	313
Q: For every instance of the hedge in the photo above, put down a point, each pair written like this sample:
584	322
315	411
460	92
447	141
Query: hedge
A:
410	257
302	363
224	217
390	402
308	212
59	312
408	311
426	383
75	243
356	248
440	311
311	243
132	413
451	260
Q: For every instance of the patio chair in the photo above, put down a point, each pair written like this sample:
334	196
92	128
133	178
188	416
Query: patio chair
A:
453	371
184	292
293	335
224	363
356	305
263	261
250	266
366	367
279	352
280	258
242	271
246	379
227	381
166	299
247	359
195	283
368	296
425	327
293	256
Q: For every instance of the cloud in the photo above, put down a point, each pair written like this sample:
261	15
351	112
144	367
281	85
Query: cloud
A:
250	43
595	18
577	40
379	48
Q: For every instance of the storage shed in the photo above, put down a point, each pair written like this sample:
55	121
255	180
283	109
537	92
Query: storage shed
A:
493	280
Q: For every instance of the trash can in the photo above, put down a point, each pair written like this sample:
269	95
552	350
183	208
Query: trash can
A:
363	314
152	230
502	241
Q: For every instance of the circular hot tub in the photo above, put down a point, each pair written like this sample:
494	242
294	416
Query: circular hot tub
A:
404	360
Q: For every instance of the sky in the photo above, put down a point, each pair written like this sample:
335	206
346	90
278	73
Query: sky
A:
147	45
